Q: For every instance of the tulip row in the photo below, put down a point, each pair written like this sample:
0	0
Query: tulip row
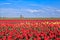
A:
30	31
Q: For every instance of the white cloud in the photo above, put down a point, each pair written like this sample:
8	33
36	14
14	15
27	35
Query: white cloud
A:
43	10
58	10
48	11
6	3
9	10
32	11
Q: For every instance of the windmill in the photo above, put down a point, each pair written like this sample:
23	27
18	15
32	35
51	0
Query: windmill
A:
21	17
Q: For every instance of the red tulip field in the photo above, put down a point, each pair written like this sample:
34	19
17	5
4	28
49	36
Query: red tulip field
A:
29	29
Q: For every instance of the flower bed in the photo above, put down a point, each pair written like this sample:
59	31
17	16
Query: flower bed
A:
43	30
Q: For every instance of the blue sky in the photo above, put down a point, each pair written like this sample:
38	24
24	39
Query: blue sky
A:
30	8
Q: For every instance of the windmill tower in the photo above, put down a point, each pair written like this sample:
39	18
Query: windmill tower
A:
21	17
